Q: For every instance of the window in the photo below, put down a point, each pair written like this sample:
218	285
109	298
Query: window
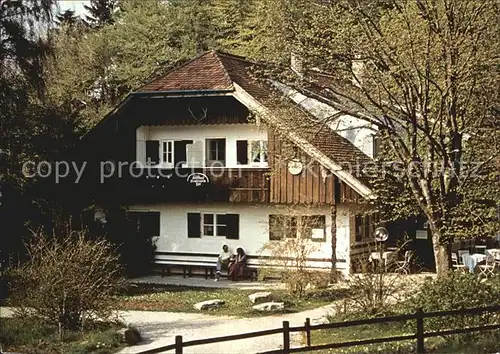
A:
213	224
282	226
258	154
152	152
287	226
242	152
147	224
167	152
363	227
216	151
254	151
314	227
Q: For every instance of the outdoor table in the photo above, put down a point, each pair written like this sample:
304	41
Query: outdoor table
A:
386	256
493	252
471	260
480	248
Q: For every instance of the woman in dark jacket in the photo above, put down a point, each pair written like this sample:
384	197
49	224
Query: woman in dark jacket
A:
238	266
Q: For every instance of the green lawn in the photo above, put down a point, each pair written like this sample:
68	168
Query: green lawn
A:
182	299
487	342
363	332
34	337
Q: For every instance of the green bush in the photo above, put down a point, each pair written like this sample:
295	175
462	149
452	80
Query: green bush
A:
454	292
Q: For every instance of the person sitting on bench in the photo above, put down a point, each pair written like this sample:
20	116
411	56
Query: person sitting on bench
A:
237	267
224	260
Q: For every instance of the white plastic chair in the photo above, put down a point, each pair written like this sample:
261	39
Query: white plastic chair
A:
404	266
456	264
488	268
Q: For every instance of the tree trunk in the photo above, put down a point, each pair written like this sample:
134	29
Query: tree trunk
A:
333	272
441	256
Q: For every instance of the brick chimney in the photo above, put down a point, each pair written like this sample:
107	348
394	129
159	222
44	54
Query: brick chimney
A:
357	67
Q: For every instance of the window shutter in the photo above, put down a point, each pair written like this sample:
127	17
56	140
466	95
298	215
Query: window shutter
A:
152	152
242	152
150	224
133	220
194	225
233	226
194	154
180	151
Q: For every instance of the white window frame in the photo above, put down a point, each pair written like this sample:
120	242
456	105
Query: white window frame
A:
215	224
167	155
206	148
262	148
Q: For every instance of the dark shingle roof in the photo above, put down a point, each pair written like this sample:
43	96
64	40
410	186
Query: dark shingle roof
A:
203	73
293	117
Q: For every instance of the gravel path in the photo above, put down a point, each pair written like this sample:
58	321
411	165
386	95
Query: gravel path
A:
160	328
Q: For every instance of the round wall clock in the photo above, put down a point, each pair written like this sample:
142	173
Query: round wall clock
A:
295	167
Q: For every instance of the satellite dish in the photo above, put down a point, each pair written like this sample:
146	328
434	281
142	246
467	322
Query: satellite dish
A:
381	234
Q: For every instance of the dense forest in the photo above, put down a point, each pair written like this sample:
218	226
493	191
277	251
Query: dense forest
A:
430	85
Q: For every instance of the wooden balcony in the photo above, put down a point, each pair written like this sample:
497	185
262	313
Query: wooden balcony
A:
246	185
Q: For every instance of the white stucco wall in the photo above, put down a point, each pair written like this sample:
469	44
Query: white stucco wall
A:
357	131
254	230
230	132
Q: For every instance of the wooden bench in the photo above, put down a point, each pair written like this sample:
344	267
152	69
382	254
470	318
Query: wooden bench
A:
189	262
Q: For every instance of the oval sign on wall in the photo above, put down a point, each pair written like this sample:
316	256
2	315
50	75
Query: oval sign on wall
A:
198	179
295	167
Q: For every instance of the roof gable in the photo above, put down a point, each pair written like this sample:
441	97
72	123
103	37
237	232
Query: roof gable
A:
204	73
216	71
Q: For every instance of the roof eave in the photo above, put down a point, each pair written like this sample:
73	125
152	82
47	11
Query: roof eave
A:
184	93
253	104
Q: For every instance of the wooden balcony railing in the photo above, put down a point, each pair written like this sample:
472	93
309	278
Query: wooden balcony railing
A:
245	185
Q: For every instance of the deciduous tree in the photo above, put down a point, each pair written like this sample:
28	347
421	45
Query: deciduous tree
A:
428	85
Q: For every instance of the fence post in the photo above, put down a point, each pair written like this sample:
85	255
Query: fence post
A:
420	331
178	344
286	337
307	324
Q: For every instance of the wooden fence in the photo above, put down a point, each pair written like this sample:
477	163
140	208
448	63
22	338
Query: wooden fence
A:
418	336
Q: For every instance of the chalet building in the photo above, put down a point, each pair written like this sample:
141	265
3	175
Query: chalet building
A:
207	155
